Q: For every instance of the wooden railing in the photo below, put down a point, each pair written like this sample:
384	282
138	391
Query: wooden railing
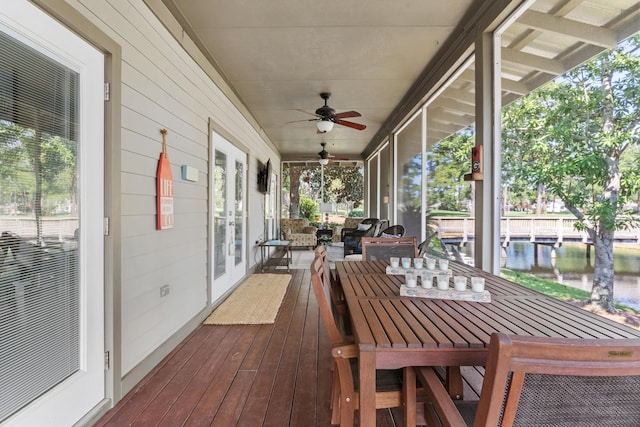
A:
52	228
534	229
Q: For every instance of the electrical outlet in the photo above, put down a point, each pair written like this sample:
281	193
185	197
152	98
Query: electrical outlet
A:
164	291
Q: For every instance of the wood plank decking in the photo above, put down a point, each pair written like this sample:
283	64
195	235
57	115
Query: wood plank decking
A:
247	375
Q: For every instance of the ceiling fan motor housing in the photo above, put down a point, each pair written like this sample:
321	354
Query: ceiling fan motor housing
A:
324	154
325	112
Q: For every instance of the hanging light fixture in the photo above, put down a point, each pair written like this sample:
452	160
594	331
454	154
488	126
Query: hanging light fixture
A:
325	125
323	162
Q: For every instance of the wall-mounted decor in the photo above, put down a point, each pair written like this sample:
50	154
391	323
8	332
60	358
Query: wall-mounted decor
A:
264	178
164	194
189	173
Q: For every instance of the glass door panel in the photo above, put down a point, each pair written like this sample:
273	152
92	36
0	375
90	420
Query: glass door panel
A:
219	214
229	215
51	215
239	213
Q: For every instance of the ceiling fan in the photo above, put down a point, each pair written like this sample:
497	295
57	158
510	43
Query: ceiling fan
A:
324	155
327	116
324	158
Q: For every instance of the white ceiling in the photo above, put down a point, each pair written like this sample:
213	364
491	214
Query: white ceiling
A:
278	55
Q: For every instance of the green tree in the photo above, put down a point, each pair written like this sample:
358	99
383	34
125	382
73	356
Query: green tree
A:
447	162
308	209
572	135
346	184
342	184
37	166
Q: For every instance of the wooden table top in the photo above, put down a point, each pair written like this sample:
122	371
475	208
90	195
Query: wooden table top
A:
382	319
394	331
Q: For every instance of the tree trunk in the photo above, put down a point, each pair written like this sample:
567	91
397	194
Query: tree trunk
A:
603	278
603	275
540	200
294	191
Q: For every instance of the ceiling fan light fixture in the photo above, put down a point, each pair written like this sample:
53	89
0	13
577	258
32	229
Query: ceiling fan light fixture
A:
323	162
325	125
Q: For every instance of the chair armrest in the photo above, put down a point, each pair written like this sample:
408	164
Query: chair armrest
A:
309	229
345	231
438	395
353	232
345	351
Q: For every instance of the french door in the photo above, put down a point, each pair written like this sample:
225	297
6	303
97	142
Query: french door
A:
51	210
228	215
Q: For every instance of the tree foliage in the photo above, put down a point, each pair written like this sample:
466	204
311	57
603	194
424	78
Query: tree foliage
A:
342	184
447	162
572	137
308	209
38	170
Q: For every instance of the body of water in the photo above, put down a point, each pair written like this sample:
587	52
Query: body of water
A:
569	265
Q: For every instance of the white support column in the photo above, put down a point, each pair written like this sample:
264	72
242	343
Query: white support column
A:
488	135
424	202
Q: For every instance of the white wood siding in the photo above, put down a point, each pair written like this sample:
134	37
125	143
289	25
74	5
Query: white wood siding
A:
163	87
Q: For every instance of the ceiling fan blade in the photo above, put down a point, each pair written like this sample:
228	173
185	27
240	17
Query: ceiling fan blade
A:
305	120
308	112
347	114
353	125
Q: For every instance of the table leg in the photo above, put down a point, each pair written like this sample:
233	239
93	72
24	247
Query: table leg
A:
367	375
409	396
453	382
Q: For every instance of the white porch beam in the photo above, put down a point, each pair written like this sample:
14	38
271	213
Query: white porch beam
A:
507	84
451	104
580	31
438	115
448	128
534	62
459	95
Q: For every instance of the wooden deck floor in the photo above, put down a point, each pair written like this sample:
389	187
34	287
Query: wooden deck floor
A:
244	375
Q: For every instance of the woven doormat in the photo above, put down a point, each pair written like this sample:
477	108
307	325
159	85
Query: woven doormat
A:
256	301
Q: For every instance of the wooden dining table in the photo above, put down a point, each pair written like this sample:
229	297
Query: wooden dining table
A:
394	331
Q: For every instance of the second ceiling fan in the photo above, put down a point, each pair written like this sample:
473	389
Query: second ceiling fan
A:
327	116
324	158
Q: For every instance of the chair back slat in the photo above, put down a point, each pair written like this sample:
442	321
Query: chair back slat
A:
322	292
335	290
382	248
560	382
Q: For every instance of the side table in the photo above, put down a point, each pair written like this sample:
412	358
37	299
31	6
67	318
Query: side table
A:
283	247
324	236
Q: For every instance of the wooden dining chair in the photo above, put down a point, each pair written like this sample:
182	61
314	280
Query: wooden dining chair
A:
344	397
336	294
548	381
382	248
